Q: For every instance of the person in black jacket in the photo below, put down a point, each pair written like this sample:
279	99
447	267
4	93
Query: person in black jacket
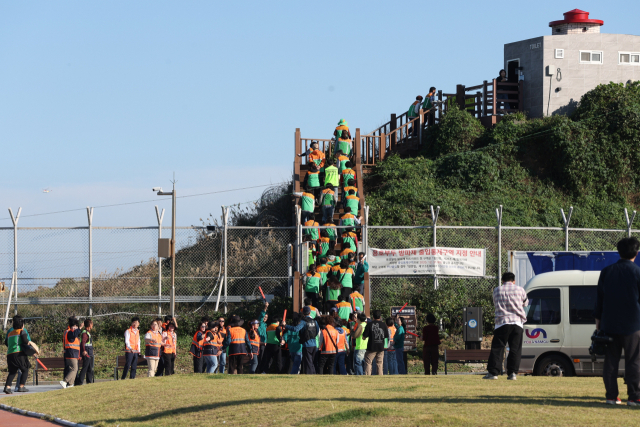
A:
16	341
378	335
617	314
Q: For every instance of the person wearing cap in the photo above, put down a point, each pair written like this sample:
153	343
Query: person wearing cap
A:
343	138
307	330
239	346
255	341
414	110
342	127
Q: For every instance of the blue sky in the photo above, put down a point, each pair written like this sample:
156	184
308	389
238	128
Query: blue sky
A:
101	101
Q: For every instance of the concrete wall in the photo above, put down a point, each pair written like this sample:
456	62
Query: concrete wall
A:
540	90
531	55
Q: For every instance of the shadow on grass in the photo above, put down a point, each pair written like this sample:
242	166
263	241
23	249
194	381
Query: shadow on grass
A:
549	401
359	414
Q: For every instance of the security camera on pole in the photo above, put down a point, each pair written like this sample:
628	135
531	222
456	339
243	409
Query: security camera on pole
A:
162	249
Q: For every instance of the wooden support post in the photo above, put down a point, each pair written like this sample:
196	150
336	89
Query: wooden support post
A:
393	125
441	109
484	98
460	97
494	110
358	147
520	95
297	292
478	104
297	161
383	145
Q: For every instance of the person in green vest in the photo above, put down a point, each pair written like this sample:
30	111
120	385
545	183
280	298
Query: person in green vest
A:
313	311
313	248
343	141
307	204
348	219
342	161
353	202
324	242
332	173
332	231
360	347
17	388
312	180
86	352
356	299
17	341
344	308
328	200
312	284
347	174
323	269
349	239
331	293
272	349
313	232
412	113
332	259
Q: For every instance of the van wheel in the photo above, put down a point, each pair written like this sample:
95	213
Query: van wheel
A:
554	366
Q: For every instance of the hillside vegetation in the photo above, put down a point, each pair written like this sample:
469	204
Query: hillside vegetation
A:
533	167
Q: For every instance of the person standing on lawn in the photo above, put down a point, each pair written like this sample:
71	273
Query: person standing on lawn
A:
169	341
307	330
272	350
509	301
16	341
222	359
211	348
390	361
196	346
617	314
254	340
262	330
152	348
377	334
360	344
398	344
431	338
131	349
238	342
86	352
71	352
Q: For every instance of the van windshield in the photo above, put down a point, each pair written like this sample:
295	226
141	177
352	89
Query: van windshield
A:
544	307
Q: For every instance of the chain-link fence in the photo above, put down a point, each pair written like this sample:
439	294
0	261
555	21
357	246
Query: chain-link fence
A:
101	269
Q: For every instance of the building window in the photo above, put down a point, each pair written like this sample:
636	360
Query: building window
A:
559	53
629	58
590	57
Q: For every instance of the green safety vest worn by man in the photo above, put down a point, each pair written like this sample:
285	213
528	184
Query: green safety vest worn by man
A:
342	165
353	202
361	344
348	174
272	338
13	340
328	197
313	232
413	110
313	282
344	145
332	176
325	244
349	241
331	231
313	179
308	202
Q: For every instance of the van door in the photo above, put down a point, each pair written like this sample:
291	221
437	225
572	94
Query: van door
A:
543	330
582	300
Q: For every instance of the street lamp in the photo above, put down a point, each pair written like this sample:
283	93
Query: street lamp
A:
173	242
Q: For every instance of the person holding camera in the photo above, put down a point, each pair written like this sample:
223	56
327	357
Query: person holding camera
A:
617	314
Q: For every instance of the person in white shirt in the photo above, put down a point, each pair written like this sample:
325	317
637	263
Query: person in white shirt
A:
131	348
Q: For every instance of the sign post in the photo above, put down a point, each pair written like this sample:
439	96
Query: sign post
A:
410	317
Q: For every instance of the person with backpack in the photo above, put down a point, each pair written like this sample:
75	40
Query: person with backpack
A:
307	330
342	127
377	334
17	342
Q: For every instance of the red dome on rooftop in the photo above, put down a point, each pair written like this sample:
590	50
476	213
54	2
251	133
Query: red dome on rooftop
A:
576	16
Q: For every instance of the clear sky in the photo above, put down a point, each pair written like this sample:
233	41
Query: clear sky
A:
101	101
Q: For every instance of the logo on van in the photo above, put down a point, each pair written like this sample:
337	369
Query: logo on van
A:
536	333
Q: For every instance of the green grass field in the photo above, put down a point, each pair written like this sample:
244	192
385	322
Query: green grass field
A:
275	400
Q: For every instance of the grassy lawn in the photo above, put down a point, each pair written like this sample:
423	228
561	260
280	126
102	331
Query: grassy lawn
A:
276	400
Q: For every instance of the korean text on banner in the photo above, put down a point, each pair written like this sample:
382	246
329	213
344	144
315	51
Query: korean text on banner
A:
420	261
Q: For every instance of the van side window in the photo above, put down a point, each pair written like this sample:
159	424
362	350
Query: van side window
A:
582	300
544	307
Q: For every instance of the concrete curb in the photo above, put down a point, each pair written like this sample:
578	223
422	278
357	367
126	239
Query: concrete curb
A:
42	416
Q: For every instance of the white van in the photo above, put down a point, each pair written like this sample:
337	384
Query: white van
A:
557	334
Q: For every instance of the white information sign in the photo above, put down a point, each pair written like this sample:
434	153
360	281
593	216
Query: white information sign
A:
440	261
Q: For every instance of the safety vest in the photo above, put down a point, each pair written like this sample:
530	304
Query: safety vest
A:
211	347
71	348
197	344
331	176
88	346
348	220
344	310
314	312
332	294
356	299
353	202
313	232
317	157
323	270
346	278
170	343
271	334
344	145
339	129
392	332
347	189
313	179
308	202
345	253
342	345
325	243
134	341
255	343
328	334
313	283
327	197
347	174
331	231
14	344
361	343
152	349
342	166
427	105
238	343
349	239
336	260
413	111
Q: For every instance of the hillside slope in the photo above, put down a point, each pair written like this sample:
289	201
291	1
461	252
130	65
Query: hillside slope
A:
533	167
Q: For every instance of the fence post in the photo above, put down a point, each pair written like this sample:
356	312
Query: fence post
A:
365	230
460	97
566	220
478	104
159	217
225	218
393	125
499	218
15	220
494	103
90	218
626	217
484	98
420	124
441	109
290	270
434	220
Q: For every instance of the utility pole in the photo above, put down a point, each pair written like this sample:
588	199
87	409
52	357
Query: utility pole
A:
173	240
